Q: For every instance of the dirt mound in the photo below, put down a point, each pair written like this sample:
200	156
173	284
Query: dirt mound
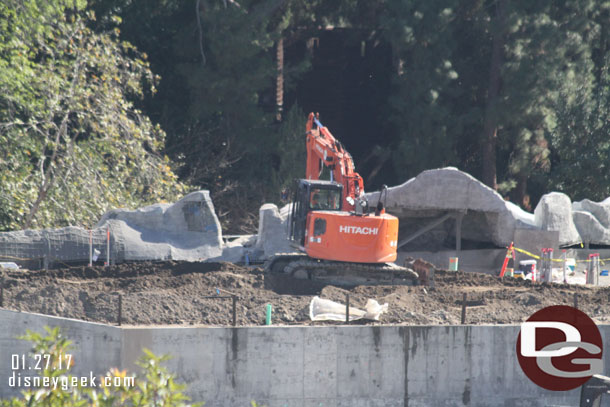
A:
159	293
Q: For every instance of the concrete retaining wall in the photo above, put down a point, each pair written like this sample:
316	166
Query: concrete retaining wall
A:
311	366
481	261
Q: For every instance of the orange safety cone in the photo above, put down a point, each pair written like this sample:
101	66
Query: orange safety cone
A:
510	254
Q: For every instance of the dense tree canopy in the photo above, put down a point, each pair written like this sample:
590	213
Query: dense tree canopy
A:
515	92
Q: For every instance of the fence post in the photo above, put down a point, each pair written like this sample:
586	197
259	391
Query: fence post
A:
565	266
592	276
463	308
120	317
108	246
234	298
90	248
268	316
576	300
48	252
549	274
347	309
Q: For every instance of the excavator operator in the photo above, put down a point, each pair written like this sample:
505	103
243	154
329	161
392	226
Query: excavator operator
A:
315	201
324	200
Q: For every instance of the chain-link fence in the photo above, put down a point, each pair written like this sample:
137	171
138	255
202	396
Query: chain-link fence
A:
48	248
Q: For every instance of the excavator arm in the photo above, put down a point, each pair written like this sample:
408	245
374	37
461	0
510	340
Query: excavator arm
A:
324	150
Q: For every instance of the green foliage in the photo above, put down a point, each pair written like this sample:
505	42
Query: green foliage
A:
551	52
580	142
289	143
216	100
580	146
217	97
422	38
154	387
72	144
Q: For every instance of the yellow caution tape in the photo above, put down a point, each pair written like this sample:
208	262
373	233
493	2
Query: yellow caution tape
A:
527	253
601	261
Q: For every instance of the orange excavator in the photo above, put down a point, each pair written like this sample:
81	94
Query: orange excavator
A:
341	239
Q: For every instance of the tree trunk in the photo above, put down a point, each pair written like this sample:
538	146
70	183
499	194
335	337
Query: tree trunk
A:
48	175
279	83
520	195
490	129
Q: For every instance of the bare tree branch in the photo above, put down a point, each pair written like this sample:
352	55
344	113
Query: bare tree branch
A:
197	9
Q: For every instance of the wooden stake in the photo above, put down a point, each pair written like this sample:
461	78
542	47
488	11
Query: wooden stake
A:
90	248
120	317
464	309
347	309
108	246
234	298
576	300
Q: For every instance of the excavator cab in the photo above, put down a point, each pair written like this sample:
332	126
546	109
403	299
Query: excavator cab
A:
310	196
320	227
324	199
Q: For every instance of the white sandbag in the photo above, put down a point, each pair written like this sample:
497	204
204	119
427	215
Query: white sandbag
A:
326	310
374	309
9	265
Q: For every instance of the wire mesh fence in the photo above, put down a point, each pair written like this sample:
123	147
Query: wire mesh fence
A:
46	248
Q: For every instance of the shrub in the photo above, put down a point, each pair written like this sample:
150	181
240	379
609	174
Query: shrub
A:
155	387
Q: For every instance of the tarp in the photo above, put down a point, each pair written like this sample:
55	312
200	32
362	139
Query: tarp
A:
326	310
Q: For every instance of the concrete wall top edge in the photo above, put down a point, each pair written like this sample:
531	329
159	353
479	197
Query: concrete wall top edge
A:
342	326
57	319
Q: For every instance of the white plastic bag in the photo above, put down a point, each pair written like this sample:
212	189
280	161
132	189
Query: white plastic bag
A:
9	265
326	310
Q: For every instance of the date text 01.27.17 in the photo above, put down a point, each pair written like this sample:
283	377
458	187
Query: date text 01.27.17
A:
40	361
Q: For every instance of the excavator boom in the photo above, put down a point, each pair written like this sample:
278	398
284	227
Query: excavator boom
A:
324	150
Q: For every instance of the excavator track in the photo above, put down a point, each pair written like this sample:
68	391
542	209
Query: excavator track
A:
340	273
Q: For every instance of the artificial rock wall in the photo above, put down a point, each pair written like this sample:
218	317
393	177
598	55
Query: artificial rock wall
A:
185	230
189	228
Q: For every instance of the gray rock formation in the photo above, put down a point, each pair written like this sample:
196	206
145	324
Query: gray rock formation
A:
590	229
488	217
185	230
554	213
272	230
592	220
600	210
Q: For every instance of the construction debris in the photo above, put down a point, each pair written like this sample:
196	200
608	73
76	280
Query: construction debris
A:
326	310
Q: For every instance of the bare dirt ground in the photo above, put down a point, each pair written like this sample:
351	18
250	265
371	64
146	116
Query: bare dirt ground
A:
174	293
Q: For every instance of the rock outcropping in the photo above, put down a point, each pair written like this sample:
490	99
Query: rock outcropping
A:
487	217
